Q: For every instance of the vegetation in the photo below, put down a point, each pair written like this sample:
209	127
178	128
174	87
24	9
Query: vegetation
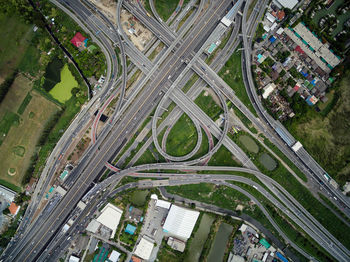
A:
326	137
182	138
62	91
5	86
24	104
166	7
223	157
231	73
206	102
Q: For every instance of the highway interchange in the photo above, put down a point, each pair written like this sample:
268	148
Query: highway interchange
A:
159	85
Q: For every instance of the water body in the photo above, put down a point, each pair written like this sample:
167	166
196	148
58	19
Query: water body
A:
218	248
199	239
249	144
267	161
138	198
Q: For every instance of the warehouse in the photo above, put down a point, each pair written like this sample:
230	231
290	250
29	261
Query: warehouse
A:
180	222
144	249
110	217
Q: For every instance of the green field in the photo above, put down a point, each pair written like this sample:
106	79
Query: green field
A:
62	90
15	39
327	138
17	147
166	7
232	74
182	138
206	102
223	157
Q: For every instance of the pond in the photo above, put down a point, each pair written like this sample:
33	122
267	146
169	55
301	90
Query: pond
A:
62	90
218	248
249	143
199	238
267	161
138	198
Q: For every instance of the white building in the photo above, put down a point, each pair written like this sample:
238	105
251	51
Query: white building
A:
114	257
268	90
144	249
163	204
7	193
93	226
73	259
180	222
286	3
110	217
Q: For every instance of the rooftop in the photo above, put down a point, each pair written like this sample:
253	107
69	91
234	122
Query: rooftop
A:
144	249
110	217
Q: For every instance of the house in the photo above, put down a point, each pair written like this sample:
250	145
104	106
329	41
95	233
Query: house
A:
79	40
14	208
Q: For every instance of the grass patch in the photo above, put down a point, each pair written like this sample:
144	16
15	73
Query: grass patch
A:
183	20
166	7
327	138
182	138
15	39
10	186
209	106
223	157
62	90
231	73
190	83
24	104
8	120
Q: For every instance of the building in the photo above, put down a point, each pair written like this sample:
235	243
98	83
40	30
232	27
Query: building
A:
110	217
93	226
73	259
163	204
180	222
309	43
14	208
114	256
79	40
268	90
144	249
286	3
7	193
176	244
264	242
130	229
311	100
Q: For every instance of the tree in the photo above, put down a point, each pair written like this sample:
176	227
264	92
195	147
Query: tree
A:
75	91
6	211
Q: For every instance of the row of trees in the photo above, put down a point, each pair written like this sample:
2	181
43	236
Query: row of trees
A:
5	86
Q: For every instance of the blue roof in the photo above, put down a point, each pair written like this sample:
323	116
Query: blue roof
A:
313	82
272	39
130	229
284	136
304	74
130	208
308	101
281	257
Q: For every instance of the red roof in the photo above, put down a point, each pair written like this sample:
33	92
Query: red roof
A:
298	49
296	88
13	208
280	15
78	39
135	259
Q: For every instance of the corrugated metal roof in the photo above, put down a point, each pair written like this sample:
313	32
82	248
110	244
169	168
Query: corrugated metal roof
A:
180	221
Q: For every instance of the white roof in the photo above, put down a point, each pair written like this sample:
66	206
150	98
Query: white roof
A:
297	146
7	193
154	196
226	22
270	17
144	249
273	27
65	228
288	3
279	31
268	90
74	259
93	226
114	256
243	228
163	204
110	217
180	221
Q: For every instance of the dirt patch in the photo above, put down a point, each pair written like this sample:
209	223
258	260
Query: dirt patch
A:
20	142
137	33
108	8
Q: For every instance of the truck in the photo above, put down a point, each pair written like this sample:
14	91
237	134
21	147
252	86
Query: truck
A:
327	177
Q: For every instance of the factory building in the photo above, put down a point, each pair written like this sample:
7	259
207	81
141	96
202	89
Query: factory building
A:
144	248
180	222
110	217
